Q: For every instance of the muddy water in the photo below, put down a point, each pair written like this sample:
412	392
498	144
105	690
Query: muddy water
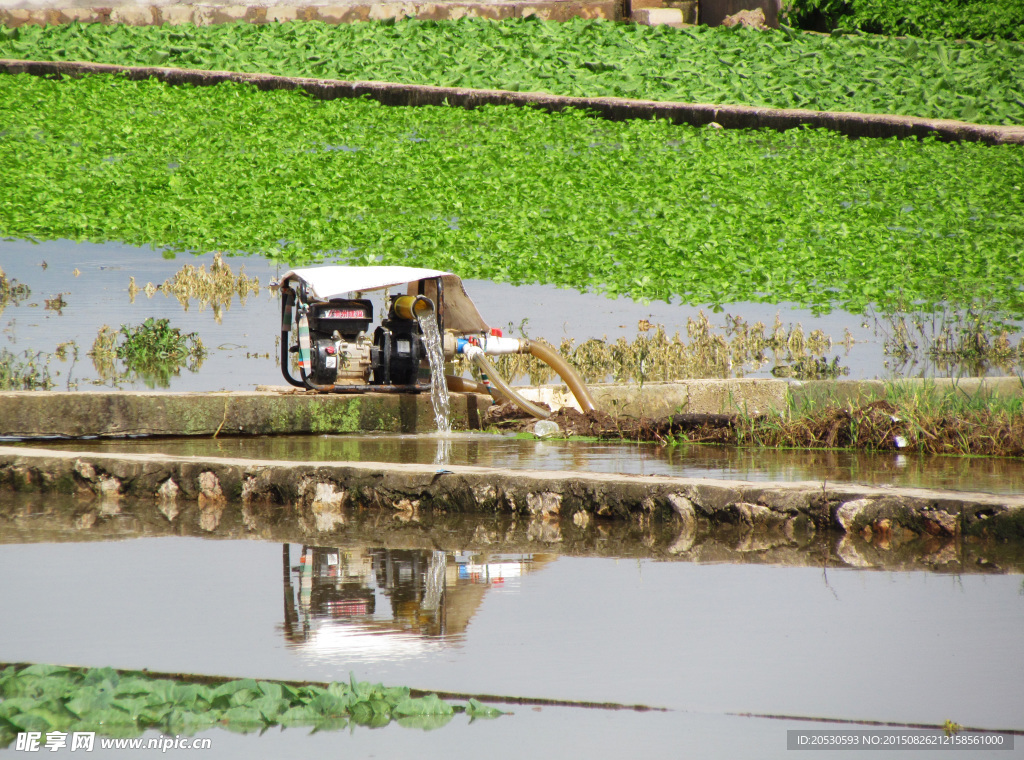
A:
988	475
706	640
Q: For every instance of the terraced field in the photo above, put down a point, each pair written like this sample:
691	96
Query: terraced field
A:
976	81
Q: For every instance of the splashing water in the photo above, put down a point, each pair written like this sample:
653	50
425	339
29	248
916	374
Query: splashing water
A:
438	387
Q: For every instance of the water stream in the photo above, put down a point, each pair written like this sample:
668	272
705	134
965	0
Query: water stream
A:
438	387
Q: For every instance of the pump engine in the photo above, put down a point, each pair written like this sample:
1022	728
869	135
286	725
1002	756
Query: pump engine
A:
339	350
336	349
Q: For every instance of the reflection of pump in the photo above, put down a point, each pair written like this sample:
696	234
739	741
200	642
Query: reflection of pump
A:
325	319
376	590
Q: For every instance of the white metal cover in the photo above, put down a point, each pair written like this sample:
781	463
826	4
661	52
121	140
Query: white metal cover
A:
325	283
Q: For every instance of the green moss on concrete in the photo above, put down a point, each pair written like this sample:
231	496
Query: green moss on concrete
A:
385	420
336	414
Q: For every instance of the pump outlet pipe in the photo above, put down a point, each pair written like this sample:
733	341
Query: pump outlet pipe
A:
496	345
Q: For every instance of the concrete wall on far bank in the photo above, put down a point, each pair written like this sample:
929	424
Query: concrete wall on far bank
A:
145	12
616	109
42	12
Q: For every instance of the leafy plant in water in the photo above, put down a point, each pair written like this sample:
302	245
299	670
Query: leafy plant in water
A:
104	354
216	287
49	698
970	339
153	350
11	291
155	341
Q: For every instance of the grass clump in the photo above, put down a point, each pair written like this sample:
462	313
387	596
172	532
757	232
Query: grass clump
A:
912	416
705	353
909	417
26	371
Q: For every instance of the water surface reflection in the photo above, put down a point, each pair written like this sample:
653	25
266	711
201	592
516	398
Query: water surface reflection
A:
379	602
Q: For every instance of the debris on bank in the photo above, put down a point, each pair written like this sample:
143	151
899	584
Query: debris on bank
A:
876	426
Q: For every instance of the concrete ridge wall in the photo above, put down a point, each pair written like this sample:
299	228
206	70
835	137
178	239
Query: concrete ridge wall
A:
77	414
317	496
205	14
617	109
42	414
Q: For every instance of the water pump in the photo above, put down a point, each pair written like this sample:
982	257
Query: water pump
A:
336	350
325	320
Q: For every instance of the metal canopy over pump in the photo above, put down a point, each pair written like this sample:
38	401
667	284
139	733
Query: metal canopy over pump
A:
331	282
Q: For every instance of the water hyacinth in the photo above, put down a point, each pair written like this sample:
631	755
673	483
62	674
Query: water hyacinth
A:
642	209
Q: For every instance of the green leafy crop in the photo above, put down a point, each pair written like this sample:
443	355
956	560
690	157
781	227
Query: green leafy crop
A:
48	698
977	82
951	19
638	208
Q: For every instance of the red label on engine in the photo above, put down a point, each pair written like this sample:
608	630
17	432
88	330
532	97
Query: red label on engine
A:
343	314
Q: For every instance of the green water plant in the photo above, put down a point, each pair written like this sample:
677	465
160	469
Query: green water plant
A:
979	82
950	19
47	698
154	351
642	209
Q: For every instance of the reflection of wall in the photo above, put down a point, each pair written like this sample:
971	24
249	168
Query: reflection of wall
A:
422	592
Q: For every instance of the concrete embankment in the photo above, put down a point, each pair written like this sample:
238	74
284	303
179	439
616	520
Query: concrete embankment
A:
618	109
42	414
318	497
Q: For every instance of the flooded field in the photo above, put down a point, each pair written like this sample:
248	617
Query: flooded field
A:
709	642
241	337
815	631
